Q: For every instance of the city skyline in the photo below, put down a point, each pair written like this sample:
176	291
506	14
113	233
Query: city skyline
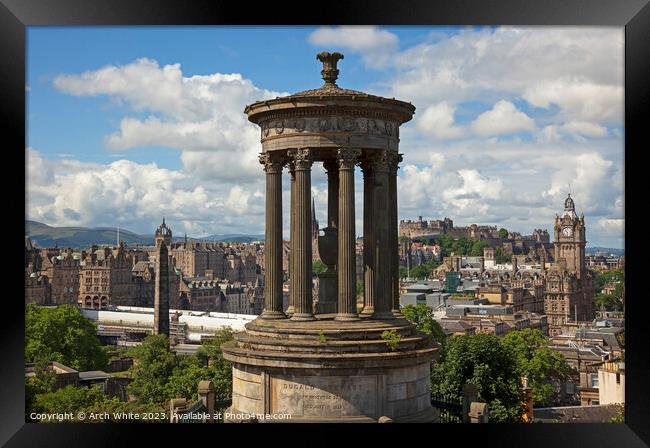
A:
124	130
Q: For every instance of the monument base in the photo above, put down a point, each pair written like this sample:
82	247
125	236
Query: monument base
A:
326	371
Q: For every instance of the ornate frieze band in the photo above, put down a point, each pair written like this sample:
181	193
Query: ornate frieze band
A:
363	125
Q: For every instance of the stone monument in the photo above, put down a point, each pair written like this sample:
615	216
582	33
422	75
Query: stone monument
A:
161	290
324	361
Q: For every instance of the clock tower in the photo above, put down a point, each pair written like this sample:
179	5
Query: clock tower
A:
569	286
570	238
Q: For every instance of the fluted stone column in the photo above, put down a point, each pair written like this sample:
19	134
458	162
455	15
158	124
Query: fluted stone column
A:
301	250
393	165
292	231
332	167
381	198
273	241
347	306
369	239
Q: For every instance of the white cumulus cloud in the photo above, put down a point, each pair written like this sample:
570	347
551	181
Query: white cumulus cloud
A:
375	45
200	113
437	121
503	118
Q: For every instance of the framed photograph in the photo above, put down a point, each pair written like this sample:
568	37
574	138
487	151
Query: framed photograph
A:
387	213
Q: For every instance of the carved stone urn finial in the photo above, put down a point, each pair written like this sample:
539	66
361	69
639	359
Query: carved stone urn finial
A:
329	72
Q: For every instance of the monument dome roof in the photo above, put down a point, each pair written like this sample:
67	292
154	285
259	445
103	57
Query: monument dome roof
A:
330	94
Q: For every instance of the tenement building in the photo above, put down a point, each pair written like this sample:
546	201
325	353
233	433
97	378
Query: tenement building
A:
62	271
37	287
569	284
143	276
200	294
105	277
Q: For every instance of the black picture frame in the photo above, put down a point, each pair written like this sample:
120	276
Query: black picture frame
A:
634	15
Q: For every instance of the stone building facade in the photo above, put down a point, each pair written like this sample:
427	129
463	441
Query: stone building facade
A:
105	277
37	288
36	285
143	276
240	298
200	294
63	272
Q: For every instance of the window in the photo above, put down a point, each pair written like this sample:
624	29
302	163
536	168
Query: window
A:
594	380
618	378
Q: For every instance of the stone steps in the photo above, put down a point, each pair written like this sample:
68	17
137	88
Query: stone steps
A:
318	335
376	345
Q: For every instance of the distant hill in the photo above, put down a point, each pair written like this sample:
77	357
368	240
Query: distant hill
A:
233	238
82	237
607	250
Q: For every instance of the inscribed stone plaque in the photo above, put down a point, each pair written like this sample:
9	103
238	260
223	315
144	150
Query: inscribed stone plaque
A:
325	396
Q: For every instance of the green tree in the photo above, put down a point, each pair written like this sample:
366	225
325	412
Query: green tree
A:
608	302
318	267
477	248
613	276
185	378
541	365
153	365
43	381
445	242
64	335
503	233
89	400
219	369
422	316
462	246
480	359
420	271
403	272
113	406
68	399
500	256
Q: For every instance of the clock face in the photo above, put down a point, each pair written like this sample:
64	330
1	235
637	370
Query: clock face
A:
567	231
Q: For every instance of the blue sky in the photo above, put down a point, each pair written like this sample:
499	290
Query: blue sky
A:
126	124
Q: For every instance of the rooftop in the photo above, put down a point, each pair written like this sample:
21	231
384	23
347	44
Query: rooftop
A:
576	414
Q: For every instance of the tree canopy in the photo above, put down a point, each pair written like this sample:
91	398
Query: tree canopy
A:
422	316
88	400
481	359
541	365
153	365
503	233
64	335
500	257
159	374
613	276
